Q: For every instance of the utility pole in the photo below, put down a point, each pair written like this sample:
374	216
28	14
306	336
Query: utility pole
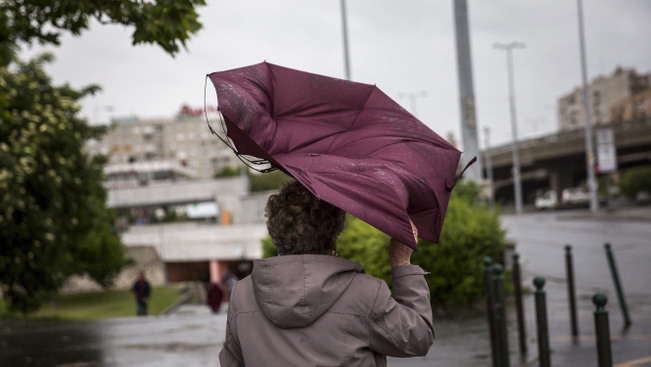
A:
489	167
344	23
517	185
590	157
466	93
96	110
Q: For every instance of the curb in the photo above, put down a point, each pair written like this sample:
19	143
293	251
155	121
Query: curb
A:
619	218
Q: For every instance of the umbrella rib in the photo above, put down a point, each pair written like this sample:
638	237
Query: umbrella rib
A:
365	102
356	117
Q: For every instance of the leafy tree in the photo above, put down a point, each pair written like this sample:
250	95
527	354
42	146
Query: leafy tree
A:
471	232
168	23
53	216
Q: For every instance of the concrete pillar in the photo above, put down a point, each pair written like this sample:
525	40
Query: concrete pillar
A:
560	177
215	274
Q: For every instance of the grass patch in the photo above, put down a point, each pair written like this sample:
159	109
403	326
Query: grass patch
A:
99	305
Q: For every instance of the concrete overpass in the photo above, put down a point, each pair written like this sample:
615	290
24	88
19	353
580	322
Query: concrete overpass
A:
198	250
557	161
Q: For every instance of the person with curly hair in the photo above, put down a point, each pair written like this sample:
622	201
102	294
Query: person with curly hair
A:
308	307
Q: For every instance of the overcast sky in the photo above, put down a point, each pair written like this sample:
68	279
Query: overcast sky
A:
403	46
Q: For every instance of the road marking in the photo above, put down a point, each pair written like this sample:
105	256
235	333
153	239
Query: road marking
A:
635	362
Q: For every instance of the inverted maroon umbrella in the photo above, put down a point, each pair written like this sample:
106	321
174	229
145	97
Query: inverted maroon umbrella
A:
348	143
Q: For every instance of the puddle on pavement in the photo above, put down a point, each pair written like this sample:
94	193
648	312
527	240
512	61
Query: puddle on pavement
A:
50	343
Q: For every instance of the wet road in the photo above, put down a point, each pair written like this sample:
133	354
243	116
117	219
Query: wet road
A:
193	337
541	238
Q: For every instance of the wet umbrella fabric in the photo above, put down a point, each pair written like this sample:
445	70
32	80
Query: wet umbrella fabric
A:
348	143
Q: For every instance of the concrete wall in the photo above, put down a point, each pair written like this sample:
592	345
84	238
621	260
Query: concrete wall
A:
191	241
144	258
253	206
185	192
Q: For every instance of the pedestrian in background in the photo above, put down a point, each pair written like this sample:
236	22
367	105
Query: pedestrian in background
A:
141	291
214	296
308	307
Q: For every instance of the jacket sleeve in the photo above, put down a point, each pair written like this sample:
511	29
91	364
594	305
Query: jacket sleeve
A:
231	353
402	326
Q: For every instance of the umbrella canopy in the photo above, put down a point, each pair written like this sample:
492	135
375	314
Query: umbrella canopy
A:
348	143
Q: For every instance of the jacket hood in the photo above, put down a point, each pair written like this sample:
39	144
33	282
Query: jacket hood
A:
295	290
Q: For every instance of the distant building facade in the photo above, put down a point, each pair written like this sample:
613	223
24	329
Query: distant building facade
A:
635	108
184	141
147	173
605	92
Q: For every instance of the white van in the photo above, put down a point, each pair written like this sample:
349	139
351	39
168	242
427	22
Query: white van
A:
548	200
575	195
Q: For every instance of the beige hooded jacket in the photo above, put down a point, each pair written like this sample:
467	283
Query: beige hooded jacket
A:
321	310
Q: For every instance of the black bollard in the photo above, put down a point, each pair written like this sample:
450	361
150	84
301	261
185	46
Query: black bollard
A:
500	316
541	323
517	286
569	272
490	309
604	356
618	285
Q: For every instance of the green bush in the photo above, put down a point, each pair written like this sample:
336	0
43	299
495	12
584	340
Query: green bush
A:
636	180
228	171
267	181
471	232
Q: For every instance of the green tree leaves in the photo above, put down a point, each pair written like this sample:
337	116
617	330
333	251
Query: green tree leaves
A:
53	201
53	217
167	23
636	180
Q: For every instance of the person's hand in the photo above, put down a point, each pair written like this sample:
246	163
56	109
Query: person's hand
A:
399	253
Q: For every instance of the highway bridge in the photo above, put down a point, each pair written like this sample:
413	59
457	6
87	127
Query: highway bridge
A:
557	161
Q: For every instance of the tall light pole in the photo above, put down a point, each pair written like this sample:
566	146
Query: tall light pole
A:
466	92
96	110
592	182
344	24
514	125
412	99
489	166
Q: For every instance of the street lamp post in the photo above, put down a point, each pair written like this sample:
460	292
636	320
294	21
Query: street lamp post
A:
344	24
466	91
489	167
592	182
96	110
514	128
412	99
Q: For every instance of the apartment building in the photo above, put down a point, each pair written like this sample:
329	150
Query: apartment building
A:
184	140
605	92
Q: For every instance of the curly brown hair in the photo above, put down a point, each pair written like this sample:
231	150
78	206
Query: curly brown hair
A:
300	223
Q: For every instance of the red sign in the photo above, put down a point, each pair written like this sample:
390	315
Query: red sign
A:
187	111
